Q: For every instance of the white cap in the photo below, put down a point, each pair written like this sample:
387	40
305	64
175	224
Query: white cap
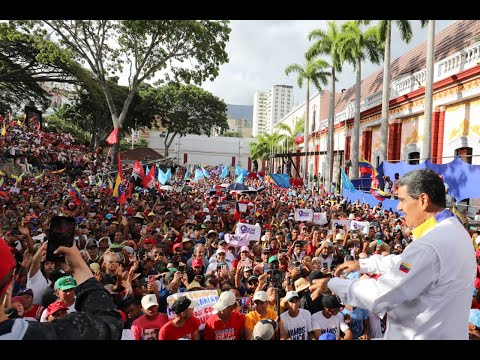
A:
260	295
244	248
290	295
149	300
226	299
264	329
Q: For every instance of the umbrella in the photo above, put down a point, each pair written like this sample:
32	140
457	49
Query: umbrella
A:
224	185
249	191
237	186
261	188
185	188
166	187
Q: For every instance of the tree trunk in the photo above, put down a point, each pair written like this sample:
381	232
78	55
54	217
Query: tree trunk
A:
427	121
305	134
385	97
330	142
356	121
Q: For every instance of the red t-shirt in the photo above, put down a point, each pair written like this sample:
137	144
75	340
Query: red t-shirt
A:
144	329
35	312
216	329
171	332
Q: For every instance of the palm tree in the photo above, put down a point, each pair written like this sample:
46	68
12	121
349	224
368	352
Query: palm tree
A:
385	31
427	121
327	44
290	133
313	71
356	46
262	147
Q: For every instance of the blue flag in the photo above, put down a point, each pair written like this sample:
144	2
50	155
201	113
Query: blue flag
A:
162	177
187	173
147	169
347	184
205	173
224	172
238	170
169	173
282	180
240	178
198	174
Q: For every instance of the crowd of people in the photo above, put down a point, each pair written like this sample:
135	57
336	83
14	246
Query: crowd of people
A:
151	253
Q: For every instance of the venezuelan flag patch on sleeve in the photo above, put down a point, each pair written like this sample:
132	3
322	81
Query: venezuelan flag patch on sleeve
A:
405	267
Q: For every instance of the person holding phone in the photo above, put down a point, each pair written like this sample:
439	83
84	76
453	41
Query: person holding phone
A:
96	319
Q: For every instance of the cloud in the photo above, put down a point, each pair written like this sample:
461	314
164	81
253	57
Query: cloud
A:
260	50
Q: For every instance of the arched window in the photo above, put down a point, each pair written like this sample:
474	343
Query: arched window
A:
414	158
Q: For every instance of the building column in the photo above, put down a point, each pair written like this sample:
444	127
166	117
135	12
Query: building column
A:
367	144
249	164
441	134
315	160
297	164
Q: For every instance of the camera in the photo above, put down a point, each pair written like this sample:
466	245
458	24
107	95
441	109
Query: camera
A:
277	278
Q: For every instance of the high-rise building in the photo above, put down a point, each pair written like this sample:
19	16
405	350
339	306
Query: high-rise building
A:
271	106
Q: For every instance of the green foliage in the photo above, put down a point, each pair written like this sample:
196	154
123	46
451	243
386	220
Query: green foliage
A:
183	109
313	71
291	132
326	44
57	123
232	134
127	145
261	148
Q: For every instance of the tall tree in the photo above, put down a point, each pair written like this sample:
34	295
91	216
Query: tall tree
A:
290	132
312	71
385	31
327	44
262	147
184	109
356	46
427	121
184	50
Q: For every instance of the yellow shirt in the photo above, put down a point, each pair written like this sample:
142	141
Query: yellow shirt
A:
253	317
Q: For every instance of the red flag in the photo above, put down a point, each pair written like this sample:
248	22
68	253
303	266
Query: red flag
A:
113	137
138	170
149	180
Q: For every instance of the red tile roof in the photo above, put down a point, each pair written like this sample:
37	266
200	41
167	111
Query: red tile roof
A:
452	39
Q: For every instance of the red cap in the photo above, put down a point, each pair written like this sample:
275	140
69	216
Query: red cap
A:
19	299
177	245
6	265
150	241
54	307
197	262
123	315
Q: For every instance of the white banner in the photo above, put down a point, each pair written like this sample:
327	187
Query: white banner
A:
254	231
320	218
303	215
205	300
362	226
238	240
242	207
341	223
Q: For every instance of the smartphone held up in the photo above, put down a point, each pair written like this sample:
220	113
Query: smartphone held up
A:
61	233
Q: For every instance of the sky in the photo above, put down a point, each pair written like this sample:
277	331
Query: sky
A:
260	50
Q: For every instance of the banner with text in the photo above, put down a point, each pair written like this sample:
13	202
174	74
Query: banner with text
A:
205	300
362	226
320	218
338	224
304	215
255	231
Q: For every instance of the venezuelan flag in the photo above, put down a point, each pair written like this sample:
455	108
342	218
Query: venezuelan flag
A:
379	194
74	192
119	190
367	167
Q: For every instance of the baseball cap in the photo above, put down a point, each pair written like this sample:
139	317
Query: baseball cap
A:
252	278
272	258
183	303
264	329
244	248
197	262
91	243
378	235
65	283
331	302
26	291
261	296
177	245
6	266
149	300
54	307
220	251
290	295
226	299
327	336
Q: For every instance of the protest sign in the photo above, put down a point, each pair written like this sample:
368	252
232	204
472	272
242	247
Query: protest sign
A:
362	226
303	215
320	218
205	300
254	231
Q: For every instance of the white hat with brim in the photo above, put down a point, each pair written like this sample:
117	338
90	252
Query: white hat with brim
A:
226	299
